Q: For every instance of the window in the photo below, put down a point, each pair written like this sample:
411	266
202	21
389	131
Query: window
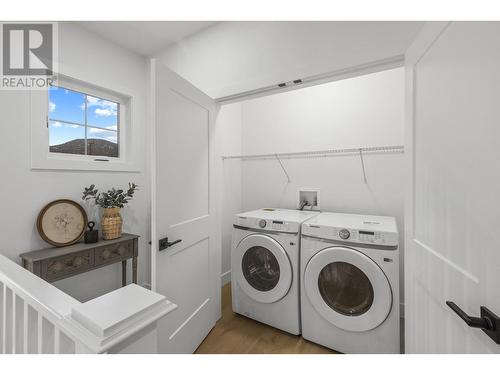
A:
86	126
82	124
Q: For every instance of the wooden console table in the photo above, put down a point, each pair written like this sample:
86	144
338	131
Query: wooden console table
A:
58	263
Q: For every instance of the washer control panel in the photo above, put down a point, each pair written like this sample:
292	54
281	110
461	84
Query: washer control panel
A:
355	235
266	224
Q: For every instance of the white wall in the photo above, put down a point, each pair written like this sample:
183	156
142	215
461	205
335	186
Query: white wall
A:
233	57
229	138
25	191
357	112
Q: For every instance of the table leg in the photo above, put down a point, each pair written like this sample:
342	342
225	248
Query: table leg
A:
134	270
124	272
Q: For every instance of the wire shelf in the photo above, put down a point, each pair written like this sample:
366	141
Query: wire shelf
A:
399	149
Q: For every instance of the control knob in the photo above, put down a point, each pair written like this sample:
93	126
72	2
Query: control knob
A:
344	234
262	223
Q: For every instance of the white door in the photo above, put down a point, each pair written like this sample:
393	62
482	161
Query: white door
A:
348	289
453	216
183	210
262	268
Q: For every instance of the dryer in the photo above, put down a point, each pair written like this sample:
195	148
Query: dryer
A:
265	266
350	283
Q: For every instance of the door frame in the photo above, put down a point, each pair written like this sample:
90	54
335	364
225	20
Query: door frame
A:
429	34
215	181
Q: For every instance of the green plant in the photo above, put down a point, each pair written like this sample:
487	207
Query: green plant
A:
111	198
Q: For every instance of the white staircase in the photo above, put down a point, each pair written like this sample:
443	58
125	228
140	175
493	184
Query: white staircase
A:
36	317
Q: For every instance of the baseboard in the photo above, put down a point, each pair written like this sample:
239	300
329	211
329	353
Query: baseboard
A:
146	285
225	278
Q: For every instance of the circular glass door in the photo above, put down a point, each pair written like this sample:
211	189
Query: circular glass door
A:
348	289
262	268
345	288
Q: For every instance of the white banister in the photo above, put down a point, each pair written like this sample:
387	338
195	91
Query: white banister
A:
36	317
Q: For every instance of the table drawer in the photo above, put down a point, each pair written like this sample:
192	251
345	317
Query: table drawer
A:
58	268
112	253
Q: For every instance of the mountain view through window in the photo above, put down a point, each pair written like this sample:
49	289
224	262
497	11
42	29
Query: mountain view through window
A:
82	124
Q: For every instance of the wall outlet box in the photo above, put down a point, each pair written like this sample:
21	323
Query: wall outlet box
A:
309	196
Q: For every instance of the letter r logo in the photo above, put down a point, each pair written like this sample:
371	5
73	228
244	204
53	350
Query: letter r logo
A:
27	49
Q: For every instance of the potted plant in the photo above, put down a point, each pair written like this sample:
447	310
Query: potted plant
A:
111	202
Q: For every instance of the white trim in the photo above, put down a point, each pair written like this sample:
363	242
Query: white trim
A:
336	75
225	278
425	39
152	161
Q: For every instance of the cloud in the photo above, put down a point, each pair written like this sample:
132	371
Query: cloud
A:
105	112
52	106
112	127
57	124
96	130
105	108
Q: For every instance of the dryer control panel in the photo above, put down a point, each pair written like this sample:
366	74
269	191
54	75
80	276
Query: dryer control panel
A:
351	235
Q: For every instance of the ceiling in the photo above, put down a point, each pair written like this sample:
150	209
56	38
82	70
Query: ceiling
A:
145	37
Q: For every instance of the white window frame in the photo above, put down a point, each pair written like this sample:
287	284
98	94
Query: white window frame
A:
42	158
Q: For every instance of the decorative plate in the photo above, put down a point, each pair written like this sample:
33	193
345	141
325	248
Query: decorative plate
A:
62	222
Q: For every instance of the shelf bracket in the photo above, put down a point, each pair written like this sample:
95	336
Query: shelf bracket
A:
363	165
283	168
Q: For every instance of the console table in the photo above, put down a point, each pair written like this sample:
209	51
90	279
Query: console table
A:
58	263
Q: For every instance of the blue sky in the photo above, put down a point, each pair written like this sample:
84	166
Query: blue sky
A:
67	110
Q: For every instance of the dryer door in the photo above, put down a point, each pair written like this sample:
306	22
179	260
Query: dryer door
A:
348	289
262	268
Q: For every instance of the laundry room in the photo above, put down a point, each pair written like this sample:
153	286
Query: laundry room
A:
315	143
360	112
249	187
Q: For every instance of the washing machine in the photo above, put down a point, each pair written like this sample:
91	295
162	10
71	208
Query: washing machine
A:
265	266
350	283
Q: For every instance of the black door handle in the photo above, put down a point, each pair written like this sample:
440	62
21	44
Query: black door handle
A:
165	244
488	322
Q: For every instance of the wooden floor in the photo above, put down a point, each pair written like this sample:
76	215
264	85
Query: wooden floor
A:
236	334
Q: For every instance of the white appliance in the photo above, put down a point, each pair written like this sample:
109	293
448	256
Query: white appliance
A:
265	266
350	283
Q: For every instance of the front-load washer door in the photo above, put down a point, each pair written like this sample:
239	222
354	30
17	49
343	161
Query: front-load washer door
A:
348	289
262	268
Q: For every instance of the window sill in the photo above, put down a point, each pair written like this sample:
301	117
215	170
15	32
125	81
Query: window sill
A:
70	164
